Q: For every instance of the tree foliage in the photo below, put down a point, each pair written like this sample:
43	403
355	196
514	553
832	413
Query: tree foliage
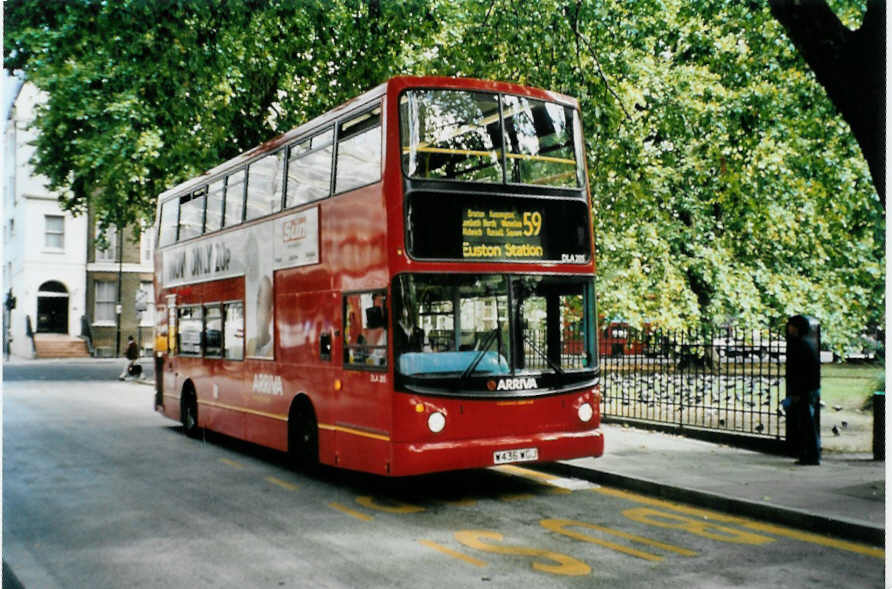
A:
726	185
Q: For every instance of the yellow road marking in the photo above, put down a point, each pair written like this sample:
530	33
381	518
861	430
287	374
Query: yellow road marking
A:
564	484
283	484
753	525
232	463
698	526
817	539
560	526
525	472
562	563
397	506
559	491
449	552
351	512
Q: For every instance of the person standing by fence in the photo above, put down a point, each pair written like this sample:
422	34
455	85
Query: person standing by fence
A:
803	388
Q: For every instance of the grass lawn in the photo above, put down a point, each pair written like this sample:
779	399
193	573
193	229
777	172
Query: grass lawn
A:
851	385
847	392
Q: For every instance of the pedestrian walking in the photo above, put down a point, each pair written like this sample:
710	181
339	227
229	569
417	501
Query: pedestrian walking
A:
132	355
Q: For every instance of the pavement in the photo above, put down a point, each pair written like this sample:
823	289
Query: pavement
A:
844	496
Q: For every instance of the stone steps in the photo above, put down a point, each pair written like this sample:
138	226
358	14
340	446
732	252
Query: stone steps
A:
59	346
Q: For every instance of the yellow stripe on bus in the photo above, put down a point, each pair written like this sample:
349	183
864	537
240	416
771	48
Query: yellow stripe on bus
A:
217	405
281	417
355	432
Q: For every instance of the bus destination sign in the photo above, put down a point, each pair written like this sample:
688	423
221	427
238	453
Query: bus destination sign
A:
502	234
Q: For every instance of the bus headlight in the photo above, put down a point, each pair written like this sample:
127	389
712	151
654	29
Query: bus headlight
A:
585	412
436	421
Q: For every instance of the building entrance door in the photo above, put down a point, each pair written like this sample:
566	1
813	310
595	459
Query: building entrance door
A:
52	308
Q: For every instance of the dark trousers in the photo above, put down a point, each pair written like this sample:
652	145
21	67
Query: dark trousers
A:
808	431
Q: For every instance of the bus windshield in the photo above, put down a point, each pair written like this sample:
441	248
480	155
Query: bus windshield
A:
461	326
461	135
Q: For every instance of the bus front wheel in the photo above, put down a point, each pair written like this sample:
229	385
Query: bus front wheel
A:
303	436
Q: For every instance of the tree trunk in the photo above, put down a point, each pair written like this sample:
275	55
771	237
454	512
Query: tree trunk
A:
850	65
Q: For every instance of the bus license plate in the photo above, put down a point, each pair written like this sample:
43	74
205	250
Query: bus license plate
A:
516	455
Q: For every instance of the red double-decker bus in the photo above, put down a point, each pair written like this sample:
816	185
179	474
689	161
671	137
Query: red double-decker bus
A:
402	285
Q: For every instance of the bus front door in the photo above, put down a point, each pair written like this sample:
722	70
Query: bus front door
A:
364	402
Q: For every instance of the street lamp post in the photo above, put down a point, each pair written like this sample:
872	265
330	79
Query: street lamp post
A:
118	306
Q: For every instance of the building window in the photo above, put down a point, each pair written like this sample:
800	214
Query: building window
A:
54	233
146	296
110	253
146	245
105	301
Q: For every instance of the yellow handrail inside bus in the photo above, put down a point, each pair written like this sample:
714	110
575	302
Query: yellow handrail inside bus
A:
473	152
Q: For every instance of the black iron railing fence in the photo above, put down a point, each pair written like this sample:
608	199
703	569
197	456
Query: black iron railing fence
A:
727	380
572	349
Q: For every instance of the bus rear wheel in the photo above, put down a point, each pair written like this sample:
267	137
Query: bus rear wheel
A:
303	436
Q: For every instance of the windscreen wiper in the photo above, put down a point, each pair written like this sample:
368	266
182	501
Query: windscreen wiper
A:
480	354
551	363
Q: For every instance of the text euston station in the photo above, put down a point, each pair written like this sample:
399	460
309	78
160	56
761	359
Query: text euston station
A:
502	234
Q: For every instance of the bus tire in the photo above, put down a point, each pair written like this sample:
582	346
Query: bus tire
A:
189	411
303	435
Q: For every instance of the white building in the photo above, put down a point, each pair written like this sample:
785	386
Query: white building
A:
44	247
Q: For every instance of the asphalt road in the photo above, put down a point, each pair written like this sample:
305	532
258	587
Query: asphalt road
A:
72	370
100	491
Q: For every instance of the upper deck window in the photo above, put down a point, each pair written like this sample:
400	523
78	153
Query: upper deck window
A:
265	186
460	135
235	198
309	169
168	225
192	214
213	219
359	151
541	143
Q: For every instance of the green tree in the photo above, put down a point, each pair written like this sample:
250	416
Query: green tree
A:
726	185
143	95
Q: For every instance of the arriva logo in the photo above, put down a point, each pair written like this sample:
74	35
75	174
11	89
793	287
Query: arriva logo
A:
268	384
514	384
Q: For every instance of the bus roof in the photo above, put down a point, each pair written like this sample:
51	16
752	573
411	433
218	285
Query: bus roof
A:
396	84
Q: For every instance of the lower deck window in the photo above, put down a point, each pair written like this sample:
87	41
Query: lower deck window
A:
189	331
234	331
213	331
365	330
